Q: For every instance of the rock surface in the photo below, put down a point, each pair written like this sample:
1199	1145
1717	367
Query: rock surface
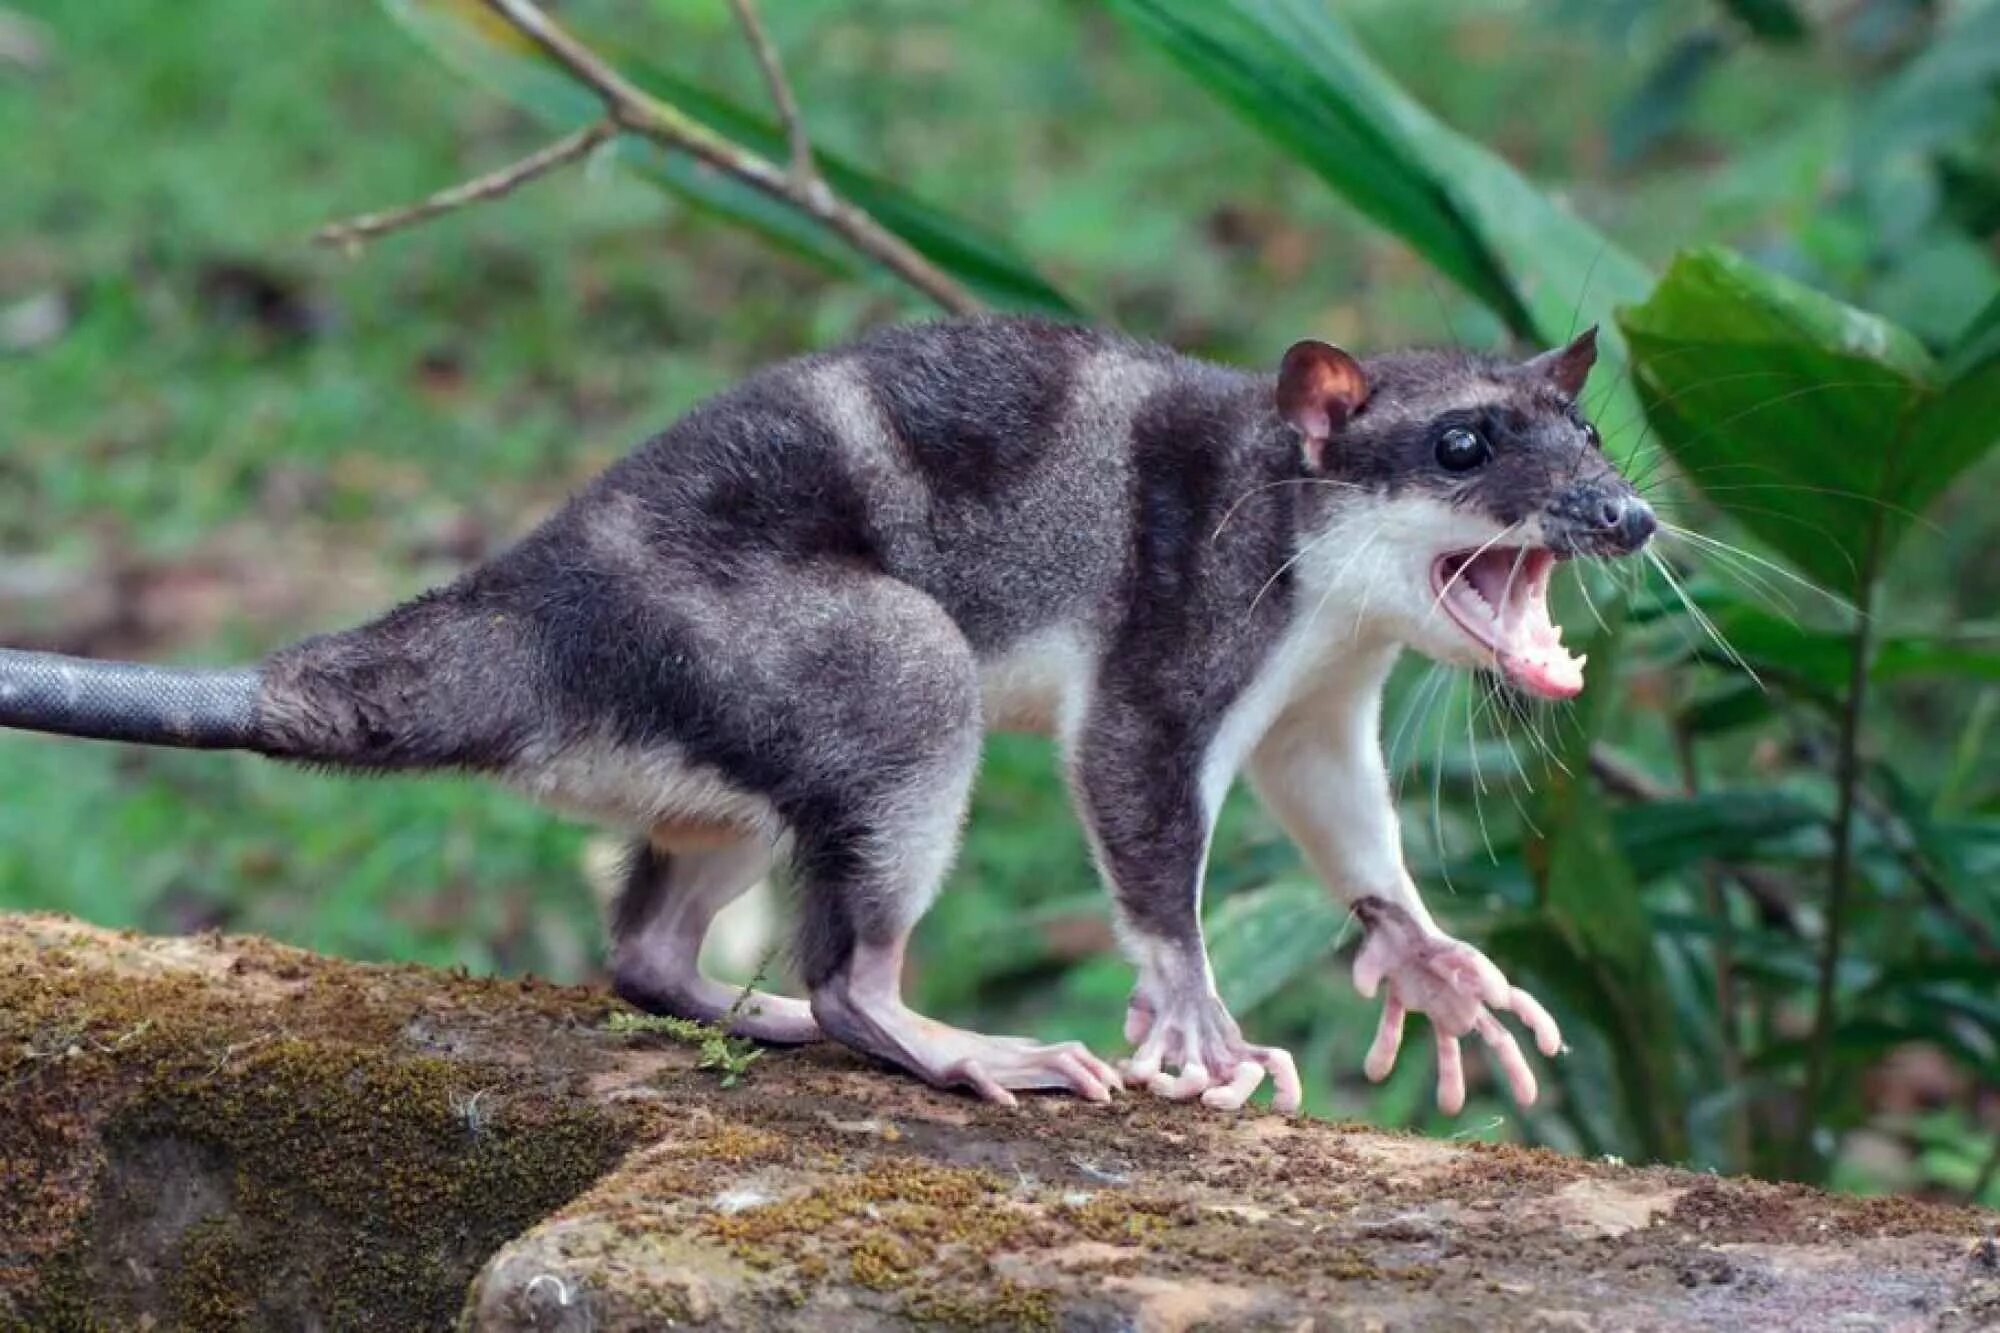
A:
225	1133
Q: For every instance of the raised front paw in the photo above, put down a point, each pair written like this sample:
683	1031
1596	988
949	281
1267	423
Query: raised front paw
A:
1454	985
1189	1046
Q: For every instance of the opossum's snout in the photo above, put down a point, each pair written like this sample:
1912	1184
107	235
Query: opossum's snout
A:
1595	518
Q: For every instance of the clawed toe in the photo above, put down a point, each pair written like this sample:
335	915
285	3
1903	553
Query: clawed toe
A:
1185	1059
1015	1064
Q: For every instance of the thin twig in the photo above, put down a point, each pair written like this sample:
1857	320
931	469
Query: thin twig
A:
642	113
490	186
803	170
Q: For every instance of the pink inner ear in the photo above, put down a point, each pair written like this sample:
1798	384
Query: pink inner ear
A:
1319	388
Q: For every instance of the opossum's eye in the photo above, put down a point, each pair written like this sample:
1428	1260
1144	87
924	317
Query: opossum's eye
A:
1596	440
1461	449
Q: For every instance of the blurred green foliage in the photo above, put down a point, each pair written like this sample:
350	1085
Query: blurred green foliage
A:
216	439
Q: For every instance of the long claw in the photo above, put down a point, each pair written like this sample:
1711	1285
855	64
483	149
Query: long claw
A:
1230	1096
1548	1037
1081	1079
1388	1041
969	1073
1286	1093
1520	1078
1451	1073
1191	1082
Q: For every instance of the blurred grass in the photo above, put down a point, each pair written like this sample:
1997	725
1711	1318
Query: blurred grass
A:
340	431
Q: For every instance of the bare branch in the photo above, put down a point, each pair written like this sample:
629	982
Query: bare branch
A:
803	170
490	186
639	111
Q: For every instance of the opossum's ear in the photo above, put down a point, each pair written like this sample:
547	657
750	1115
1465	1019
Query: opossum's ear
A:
1568	367
1319	388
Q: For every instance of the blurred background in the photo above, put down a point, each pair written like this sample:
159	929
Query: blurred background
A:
1754	871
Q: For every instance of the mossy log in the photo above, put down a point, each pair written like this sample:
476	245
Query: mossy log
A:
225	1133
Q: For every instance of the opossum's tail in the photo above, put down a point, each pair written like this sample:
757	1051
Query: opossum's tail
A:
127	701
429	685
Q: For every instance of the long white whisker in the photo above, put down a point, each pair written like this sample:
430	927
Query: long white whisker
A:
1422	701
1437	816
1478	782
1279	573
1765	591
1701	617
1583	582
1254	491
1717	544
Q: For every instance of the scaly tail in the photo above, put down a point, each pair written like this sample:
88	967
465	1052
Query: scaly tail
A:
128	701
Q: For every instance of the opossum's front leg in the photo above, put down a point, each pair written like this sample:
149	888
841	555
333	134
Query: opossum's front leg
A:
1322	776
1140	800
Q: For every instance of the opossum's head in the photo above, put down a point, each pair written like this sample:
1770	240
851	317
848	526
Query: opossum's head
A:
1459	481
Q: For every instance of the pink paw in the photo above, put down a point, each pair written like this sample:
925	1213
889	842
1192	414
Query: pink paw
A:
1189	1046
1458	988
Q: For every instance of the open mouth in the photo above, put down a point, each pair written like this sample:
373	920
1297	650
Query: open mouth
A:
1499	595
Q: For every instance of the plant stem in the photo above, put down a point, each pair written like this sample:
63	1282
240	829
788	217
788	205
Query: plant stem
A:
1840	875
1728	1032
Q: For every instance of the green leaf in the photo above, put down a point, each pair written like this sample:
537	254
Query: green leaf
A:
1978	344
1740	703
1814	662
1835	426
1260	940
1296	73
1659	837
1776	21
467	36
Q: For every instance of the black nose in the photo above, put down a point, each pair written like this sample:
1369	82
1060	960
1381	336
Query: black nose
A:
1628	521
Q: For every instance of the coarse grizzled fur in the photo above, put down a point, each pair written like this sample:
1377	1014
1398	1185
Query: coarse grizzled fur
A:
791	615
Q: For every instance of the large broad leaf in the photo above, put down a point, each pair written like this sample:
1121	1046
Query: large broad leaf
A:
467	36
1769	20
1295	71
1767	637
1260	940
1821	428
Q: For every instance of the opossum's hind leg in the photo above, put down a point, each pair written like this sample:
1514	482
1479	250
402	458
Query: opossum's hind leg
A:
875	839
863	1008
672	893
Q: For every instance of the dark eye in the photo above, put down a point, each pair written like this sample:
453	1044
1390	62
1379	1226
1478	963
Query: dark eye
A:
1590	433
1461	449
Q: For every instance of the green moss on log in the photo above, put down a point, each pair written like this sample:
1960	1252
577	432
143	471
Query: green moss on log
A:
280	1132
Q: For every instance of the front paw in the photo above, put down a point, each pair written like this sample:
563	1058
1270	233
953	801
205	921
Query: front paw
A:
1189	1046
1458	988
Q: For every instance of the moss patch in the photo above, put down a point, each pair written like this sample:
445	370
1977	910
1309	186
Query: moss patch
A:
303	1141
